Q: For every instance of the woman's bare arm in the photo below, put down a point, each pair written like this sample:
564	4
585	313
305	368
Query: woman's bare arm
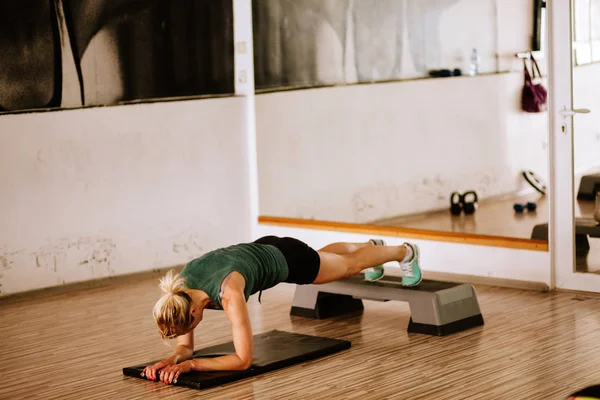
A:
234	305
183	351
185	347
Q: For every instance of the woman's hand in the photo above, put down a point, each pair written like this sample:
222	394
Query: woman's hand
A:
151	370
172	372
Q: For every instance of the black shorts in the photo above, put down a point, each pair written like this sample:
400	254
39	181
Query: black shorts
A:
302	260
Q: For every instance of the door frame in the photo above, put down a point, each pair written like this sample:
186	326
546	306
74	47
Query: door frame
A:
561	229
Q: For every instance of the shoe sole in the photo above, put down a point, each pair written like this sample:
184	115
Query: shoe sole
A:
417	256
376	279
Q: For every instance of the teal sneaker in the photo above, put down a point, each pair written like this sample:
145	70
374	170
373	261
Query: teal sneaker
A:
411	270
375	273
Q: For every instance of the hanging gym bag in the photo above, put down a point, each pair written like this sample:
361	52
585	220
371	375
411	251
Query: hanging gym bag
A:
534	96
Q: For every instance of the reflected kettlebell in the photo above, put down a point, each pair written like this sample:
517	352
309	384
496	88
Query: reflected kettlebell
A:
456	203
469	206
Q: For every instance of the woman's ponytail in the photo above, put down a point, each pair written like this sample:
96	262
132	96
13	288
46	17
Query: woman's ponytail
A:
172	311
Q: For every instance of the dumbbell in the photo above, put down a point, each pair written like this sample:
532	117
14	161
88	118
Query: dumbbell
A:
521	207
445	73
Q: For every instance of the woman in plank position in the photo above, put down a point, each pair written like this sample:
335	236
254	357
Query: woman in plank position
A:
225	278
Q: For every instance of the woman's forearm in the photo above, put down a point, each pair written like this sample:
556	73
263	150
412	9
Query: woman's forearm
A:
230	362
181	353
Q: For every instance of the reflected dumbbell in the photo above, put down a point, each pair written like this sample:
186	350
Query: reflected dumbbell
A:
519	208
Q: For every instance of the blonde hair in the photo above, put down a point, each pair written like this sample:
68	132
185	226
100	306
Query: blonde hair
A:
172	311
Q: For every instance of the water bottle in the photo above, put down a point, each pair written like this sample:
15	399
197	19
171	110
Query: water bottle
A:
474	67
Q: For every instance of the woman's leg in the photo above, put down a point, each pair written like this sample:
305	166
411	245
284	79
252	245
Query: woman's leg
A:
337	266
371	274
344	248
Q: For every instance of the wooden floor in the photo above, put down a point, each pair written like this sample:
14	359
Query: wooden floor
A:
534	346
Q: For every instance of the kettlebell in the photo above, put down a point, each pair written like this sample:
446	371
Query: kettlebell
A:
469	207
455	203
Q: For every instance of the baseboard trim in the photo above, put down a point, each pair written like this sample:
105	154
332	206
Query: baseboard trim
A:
85	285
579	294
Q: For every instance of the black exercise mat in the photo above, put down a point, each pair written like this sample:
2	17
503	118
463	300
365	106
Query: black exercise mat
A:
592	392
271	350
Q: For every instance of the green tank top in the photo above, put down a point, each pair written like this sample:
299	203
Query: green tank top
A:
262	266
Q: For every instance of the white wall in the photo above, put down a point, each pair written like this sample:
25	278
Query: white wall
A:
365	152
100	192
515	32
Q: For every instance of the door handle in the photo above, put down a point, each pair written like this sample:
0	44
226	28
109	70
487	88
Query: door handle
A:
569	113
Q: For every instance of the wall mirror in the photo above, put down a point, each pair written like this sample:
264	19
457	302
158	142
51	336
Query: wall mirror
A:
383	113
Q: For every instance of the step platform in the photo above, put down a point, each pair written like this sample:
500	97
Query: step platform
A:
437	308
589	185
271	351
584	227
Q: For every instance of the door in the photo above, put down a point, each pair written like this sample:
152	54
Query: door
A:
564	116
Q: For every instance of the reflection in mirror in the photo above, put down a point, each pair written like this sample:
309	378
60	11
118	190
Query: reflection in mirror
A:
586	86
539	25
76	53
376	112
